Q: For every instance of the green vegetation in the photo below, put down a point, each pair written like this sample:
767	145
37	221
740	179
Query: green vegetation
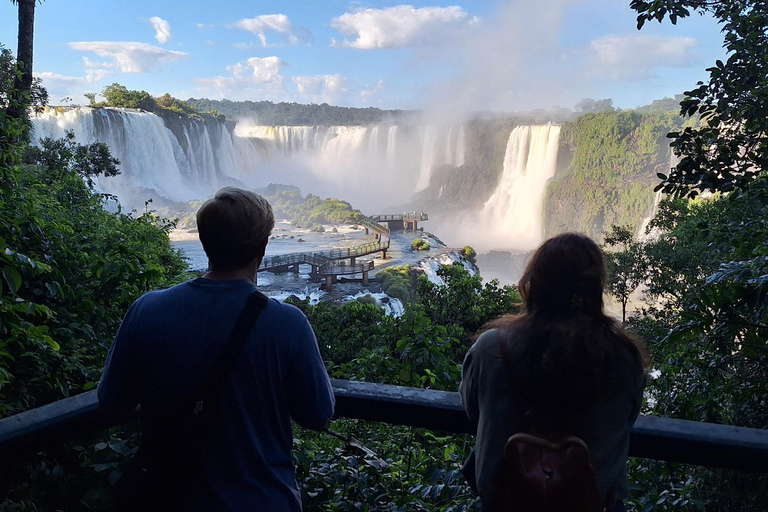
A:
294	114
612	171
399	282
705	320
731	104
310	211
69	268
625	263
419	244
470	254
118	96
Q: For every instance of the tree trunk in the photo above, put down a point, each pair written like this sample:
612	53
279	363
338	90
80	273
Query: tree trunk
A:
22	84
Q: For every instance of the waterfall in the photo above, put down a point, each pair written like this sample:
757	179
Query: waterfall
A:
184	159
429	136
391	147
461	145
513	213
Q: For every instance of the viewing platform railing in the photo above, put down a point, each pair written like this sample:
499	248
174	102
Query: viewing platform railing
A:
371	223
332	261
689	442
420	216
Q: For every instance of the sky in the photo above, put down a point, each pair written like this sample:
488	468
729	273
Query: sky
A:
470	55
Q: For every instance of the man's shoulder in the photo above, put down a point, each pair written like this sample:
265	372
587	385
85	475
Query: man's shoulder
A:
285	314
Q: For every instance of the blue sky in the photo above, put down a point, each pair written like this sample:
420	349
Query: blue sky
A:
454	56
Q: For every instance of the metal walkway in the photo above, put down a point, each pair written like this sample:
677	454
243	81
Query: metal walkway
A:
333	262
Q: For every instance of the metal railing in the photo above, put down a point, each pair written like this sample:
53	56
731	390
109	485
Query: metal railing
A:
690	442
328	262
420	216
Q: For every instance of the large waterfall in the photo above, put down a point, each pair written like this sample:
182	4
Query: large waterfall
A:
188	159
373	167
370	166
511	218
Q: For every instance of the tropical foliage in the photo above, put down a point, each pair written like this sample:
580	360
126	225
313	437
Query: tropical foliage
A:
294	114
311	211
607	171
731	104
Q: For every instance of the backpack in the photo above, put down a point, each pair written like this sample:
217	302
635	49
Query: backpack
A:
548	474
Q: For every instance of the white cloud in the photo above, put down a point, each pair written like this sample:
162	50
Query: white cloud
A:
401	26
162	29
278	23
261	78
256	74
55	79
264	69
368	95
634	56
62	86
130	57
320	85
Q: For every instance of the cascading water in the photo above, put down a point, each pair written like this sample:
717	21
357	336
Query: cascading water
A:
512	216
187	159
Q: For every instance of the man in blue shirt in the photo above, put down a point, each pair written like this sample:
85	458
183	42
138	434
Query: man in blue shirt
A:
169	338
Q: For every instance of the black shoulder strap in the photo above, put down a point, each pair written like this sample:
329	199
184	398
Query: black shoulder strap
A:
257	301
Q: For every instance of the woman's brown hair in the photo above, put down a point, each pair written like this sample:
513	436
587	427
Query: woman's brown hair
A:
568	350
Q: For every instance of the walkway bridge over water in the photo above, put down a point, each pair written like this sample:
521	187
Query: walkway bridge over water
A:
332	263
402	221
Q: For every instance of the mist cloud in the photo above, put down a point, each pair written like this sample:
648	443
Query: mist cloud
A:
401	26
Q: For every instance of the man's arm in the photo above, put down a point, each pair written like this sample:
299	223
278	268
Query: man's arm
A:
117	389
310	396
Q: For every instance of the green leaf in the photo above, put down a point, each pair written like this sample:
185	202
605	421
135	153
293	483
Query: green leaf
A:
13	278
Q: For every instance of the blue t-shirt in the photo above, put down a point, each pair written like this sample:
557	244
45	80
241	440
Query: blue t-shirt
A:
163	350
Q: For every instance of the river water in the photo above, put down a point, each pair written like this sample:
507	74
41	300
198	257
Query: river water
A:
285	239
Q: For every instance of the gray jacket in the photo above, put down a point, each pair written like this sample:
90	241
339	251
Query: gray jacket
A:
488	399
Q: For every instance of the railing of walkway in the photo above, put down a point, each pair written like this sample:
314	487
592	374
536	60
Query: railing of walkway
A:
325	261
690	442
370	223
282	260
420	216
339	267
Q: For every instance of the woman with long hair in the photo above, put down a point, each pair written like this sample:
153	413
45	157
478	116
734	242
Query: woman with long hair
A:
562	366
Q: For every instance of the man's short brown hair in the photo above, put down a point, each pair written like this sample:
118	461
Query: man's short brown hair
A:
232	225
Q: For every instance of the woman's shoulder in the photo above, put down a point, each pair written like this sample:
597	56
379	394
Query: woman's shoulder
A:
494	342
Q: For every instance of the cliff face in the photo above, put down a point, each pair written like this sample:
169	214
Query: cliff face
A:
465	188
606	172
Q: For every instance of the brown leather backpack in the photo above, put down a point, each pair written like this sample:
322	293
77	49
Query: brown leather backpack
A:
548	474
